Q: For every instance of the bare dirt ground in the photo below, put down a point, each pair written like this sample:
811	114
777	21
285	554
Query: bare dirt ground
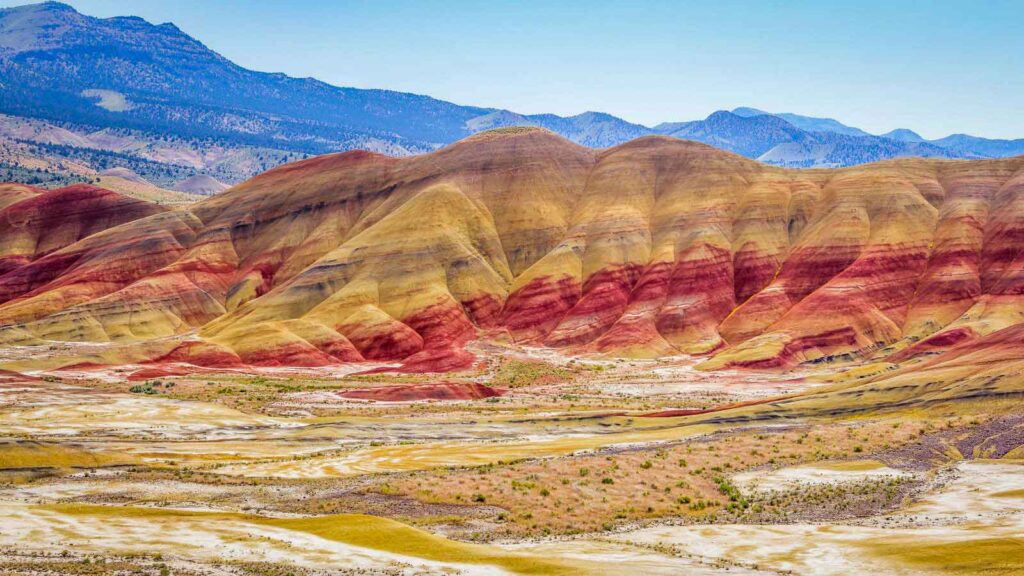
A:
578	466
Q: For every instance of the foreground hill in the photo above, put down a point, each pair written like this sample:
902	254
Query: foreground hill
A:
36	222
655	247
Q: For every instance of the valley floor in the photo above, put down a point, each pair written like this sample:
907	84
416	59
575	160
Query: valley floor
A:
534	464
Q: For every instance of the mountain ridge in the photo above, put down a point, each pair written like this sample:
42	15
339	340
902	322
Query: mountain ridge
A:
125	74
958	145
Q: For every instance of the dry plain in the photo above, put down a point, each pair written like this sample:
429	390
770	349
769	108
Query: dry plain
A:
566	466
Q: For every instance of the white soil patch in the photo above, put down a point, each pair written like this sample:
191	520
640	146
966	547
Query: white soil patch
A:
115	413
198	538
641	560
965	509
785	479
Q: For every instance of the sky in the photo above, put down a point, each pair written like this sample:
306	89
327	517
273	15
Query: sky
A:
937	67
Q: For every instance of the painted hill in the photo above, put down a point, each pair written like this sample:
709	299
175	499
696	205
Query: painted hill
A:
11	193
35	223
654	247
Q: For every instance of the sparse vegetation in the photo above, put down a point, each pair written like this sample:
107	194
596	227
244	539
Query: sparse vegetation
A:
519	374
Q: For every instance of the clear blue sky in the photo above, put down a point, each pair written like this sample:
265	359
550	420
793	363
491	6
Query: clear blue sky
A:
937	67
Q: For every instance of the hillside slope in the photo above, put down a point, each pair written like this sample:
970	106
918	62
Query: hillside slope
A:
658	246
36	222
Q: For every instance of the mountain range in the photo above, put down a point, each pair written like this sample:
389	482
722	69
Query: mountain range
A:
160	99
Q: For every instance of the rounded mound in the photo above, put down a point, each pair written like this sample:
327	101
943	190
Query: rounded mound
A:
419	392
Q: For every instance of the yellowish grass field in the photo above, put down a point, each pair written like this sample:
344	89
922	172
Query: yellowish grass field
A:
15	455
363	531
980	557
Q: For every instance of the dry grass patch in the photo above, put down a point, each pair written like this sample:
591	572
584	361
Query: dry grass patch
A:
981	557
595	492
357	530
27	454
513	373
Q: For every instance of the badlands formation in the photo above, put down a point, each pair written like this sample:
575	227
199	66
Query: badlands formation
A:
653	248
517	355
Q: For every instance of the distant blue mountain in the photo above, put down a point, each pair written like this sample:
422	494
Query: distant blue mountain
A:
52	58
904	135
808	123
958	145
750	136
983	147
55	62
772	139
594	129
125	73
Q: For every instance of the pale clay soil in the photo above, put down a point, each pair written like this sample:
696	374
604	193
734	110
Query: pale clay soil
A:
968	503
